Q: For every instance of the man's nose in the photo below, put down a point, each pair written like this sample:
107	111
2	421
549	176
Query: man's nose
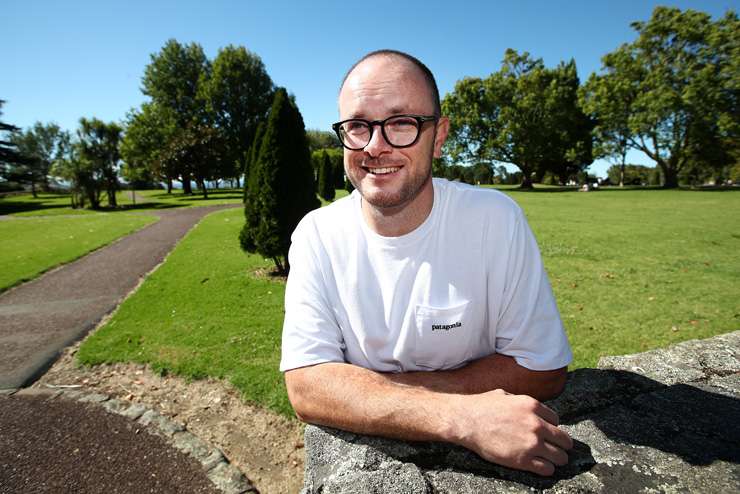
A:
377	145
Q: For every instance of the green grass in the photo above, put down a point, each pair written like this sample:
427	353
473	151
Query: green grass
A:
145	200
635	270
203	313
30	246
44	205
631	270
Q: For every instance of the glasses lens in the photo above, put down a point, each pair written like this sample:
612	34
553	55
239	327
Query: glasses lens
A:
355	134
401	131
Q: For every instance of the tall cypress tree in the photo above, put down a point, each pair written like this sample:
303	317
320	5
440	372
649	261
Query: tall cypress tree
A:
281	187
326	178
252	155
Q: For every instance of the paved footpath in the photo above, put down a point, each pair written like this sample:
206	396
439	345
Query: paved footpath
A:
41	317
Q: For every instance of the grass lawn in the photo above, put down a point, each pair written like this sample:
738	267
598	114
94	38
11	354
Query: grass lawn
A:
30	246
635	270
59	204
632	270
203	313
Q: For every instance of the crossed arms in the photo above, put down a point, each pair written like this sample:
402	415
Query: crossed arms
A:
489	406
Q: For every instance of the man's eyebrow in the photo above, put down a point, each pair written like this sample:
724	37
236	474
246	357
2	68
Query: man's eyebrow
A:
395	110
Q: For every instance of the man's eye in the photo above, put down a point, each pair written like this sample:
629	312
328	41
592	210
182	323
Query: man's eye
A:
402	124
355	127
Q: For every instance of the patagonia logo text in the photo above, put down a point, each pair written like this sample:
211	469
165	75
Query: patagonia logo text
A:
445	327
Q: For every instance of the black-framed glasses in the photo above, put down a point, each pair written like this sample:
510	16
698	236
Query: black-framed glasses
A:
400	131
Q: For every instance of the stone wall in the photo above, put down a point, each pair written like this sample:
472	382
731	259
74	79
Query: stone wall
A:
667	420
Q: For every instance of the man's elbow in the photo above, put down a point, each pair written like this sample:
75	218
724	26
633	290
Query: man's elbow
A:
299	395
555	384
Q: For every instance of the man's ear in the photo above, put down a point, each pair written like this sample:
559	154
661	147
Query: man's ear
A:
440	136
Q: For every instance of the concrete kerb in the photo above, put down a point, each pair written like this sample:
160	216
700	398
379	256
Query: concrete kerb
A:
225	476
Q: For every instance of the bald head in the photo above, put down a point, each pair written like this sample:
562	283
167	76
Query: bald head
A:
407	63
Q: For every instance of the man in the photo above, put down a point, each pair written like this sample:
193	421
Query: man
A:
416	308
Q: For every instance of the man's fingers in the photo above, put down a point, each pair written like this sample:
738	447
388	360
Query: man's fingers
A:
540	466
557	437
553	454
548	414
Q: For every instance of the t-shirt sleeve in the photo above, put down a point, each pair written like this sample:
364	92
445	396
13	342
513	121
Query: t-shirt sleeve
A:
529	327
311	334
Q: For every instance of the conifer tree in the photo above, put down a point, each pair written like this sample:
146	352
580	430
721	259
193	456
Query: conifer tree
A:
326	178
281	187
251	155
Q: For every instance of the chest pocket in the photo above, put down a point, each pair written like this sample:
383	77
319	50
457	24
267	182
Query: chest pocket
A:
443	336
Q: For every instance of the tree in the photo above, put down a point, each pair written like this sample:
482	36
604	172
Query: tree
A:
326	178
483	173
336	158
571	148
147	133
8	150
281	187
608	99
322	139
39	145
682	71
524	114
174	79
252	155
96	163
632	174
238	94
196	149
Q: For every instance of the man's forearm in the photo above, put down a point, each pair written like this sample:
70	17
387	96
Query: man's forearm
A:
367	402
487	374
512	430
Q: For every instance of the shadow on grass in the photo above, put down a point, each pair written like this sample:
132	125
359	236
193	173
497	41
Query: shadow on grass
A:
9	206
61	203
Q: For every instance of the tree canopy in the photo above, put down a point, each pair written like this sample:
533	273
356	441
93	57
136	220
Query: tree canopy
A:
39	147
673	92
202	115
524	114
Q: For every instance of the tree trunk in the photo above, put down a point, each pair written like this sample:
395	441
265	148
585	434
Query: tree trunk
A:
112	198
670	177
169	185
187	187
238	186
202	184
33	191
93	197
526	181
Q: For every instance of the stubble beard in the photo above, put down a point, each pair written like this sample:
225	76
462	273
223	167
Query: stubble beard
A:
384	200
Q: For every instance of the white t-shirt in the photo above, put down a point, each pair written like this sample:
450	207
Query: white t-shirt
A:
467	283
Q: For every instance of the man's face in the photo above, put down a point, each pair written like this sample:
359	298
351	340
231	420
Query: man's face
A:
388	177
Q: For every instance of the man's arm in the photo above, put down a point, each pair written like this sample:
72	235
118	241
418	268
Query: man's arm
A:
512	430
495	371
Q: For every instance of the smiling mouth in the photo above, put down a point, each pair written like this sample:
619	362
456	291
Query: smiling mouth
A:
382	171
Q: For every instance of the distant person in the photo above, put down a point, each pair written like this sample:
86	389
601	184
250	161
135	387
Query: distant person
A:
418	308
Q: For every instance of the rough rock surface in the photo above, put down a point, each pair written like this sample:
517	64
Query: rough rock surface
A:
667	420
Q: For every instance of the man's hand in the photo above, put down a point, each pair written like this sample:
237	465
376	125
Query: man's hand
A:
512	430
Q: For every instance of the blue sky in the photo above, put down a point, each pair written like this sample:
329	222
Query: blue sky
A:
66	60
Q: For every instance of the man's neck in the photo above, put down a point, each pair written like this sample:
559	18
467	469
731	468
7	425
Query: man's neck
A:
400	220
